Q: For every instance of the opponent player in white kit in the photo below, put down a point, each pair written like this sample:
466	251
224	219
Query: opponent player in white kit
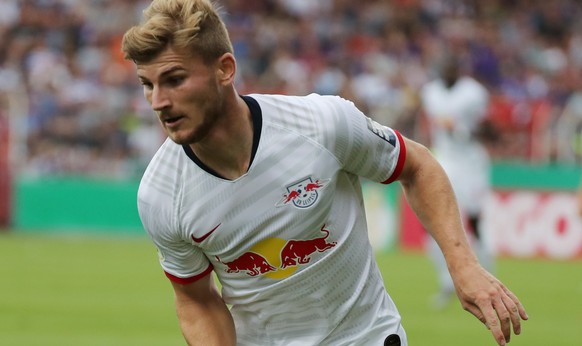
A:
264	191
455	106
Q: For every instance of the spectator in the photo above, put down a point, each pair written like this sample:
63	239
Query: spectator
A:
522	51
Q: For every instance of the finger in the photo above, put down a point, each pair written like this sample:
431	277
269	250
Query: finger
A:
522	313
475	311
492	320
503	316
513	312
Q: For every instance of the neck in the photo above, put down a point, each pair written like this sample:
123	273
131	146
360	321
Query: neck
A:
228	148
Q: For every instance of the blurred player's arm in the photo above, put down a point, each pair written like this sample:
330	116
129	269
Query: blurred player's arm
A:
430	195
579	198
203	315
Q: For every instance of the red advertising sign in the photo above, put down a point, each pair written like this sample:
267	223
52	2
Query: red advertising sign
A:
533	223
519	223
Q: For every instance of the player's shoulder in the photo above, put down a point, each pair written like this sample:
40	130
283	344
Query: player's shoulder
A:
300	100
162	171
319	117
158	189
312	105
168	151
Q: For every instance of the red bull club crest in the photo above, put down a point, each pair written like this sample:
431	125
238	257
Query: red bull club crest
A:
303	193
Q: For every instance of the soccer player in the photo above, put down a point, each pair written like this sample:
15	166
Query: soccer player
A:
455	106
264	190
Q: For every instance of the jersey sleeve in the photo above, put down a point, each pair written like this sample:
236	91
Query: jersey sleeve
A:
181	260
364	147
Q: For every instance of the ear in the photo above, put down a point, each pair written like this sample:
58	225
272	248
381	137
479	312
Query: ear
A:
226	69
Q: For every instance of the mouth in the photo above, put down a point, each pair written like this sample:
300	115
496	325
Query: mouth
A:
171	120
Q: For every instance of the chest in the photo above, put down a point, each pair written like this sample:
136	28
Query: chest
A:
286	194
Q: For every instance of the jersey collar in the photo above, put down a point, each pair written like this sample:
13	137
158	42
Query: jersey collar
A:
257	116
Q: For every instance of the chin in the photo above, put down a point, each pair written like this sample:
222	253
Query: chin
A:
184	139
191	135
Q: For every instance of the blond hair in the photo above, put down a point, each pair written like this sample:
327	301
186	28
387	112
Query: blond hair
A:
194	25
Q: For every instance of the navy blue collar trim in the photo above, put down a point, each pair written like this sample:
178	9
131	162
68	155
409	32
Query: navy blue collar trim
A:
256	115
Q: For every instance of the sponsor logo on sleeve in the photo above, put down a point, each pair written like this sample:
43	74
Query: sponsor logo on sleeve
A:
381	131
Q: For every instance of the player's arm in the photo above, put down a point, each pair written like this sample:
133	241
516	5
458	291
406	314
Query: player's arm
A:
203	315
430	195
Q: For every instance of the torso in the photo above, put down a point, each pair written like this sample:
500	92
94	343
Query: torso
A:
288	239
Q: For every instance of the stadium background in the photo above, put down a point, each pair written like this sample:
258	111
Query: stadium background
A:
76	133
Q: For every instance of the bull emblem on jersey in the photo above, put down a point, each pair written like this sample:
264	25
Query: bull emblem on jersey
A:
303	193
250	263
299	251
292	253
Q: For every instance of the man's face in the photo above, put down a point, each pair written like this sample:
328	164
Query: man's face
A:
184	93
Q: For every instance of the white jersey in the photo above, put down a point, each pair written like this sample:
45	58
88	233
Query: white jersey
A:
287	240
464	159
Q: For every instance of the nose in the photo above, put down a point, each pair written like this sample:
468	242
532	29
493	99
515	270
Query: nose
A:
159	99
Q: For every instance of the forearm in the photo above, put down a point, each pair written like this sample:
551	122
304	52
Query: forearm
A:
205	320
430	195
206	325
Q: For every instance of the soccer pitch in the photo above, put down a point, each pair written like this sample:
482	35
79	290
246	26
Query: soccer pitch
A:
89	290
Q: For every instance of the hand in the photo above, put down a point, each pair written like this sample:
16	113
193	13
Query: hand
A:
490	301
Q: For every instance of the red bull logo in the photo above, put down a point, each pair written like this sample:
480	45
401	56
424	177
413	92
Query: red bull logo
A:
303	193
251	263
278	258
300	251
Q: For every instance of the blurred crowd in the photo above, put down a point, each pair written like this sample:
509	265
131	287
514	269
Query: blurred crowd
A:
75	106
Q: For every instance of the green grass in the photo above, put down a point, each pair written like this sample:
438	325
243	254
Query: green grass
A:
551	292
110	291
83	291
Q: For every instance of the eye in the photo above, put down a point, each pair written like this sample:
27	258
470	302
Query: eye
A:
175	80
146	85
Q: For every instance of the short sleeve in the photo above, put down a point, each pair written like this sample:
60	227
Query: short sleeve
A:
366	148
182	261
